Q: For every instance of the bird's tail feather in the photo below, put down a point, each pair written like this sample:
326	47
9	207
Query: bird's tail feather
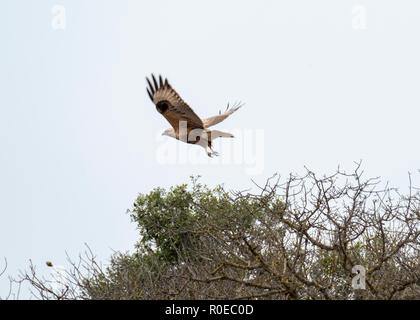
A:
220	134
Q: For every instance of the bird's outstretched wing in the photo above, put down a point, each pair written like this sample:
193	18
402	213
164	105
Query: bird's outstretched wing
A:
221	116
171	106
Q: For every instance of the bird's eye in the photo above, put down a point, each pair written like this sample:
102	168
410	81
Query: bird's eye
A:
162	106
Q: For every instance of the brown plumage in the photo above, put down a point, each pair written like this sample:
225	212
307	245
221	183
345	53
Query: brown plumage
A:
187	126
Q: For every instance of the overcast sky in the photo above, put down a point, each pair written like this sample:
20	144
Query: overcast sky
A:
325	83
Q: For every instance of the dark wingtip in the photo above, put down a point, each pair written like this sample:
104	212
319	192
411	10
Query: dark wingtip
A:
150	95
155	82
238	105
150	85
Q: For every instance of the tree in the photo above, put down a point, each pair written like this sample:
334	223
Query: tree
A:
298	239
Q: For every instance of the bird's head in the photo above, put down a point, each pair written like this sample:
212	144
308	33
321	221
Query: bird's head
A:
169	132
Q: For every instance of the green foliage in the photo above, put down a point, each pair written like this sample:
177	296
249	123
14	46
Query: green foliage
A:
199	242
170	221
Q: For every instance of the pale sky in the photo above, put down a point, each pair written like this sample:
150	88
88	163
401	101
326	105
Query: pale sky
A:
325	83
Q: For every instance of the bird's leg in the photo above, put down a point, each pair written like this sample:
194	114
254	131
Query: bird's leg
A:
212	153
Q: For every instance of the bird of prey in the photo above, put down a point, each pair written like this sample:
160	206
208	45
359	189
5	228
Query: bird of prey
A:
186	125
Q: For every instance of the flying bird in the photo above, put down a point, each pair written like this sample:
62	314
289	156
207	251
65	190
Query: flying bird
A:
187	126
